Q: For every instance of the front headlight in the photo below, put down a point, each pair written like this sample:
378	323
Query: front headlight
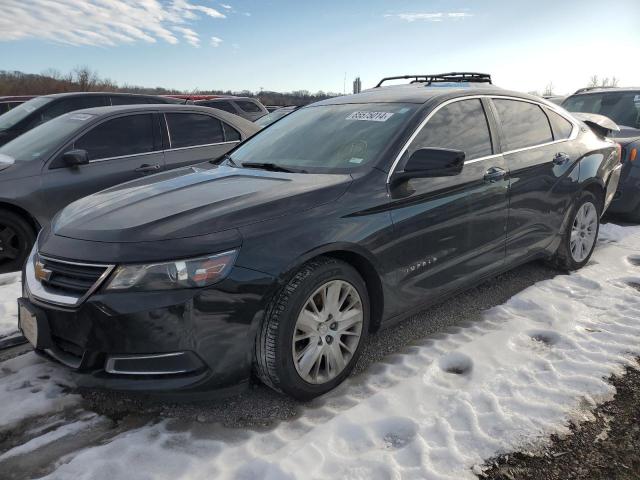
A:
190	273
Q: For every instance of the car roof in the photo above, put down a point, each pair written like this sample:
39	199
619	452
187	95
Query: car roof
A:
234	120
593	90
118	94
222	99
421	93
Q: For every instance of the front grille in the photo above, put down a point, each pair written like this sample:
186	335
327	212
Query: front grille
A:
72	278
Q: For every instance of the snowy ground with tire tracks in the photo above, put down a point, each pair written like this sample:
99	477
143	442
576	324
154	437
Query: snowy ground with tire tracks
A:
435	410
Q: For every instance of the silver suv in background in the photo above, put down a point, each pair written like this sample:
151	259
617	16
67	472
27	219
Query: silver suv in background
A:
246	107
82	152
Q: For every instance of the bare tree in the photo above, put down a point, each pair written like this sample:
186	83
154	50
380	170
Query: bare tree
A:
548	90
593	81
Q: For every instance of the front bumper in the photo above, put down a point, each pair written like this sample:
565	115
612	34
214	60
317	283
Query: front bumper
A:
183	341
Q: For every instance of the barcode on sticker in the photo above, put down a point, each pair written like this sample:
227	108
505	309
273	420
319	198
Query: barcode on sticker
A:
370	116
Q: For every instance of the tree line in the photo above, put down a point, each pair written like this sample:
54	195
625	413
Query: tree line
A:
83	79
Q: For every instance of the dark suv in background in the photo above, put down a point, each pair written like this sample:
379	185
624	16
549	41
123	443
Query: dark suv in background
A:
246	107
38	110
622	105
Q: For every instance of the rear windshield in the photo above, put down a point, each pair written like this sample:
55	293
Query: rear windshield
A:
328	138
40	142
19	113
621	107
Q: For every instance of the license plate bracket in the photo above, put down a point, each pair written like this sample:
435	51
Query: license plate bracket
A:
33	324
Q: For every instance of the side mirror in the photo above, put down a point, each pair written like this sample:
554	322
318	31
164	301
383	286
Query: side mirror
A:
75	158
431	162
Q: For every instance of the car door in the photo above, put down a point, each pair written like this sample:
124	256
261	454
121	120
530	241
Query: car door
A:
119	149
541	168
196	137
451	230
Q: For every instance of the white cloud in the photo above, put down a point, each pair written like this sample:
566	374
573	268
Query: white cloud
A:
430	17
103	22
224	5
189	35
216	41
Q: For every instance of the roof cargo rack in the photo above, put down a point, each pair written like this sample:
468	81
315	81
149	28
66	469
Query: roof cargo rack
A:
460	77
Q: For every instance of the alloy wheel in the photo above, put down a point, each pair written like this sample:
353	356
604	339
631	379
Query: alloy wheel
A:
327	332
583	232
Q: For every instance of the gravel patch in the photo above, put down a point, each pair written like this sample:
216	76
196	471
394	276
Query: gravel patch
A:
603	449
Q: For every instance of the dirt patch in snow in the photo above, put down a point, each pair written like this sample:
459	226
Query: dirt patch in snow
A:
606	448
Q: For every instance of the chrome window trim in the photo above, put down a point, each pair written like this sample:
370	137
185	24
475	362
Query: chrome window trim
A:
574	131
98	160
39	292
111	360
106	159
198	146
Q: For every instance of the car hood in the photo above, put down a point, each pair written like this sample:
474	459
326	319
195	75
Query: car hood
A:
194	201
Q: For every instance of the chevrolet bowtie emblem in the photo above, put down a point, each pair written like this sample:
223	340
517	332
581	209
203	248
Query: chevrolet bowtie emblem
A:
42	274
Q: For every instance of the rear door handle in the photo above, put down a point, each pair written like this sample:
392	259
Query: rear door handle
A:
494	174
560	158
145	167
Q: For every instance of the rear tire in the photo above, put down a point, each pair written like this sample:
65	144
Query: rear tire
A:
16	240
313	330
581	234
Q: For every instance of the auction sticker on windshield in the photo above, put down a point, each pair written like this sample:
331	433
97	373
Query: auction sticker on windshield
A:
370	116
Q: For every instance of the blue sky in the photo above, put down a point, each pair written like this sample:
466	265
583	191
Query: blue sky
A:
291	45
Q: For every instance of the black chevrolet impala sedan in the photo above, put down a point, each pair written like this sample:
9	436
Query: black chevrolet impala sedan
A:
278	259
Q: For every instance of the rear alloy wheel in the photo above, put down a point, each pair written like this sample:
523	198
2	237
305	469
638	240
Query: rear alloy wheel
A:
581	234
313	330
16	240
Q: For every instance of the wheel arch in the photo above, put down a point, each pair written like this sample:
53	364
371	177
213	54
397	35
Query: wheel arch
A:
364	263
10	207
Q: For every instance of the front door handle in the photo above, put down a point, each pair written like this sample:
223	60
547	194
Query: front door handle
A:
494	174
145	167
560	158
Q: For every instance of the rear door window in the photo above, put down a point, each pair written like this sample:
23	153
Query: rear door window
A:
230	133
226	106
193	129
248	106
460	125
121	136
561	127
524	124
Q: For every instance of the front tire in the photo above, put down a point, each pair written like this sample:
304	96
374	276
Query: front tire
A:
313	330
581	234
16	240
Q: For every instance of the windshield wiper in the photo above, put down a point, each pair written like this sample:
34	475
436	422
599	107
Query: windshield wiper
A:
273	167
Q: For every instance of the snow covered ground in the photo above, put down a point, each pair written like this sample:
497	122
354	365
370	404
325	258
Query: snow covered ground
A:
435	410
10	289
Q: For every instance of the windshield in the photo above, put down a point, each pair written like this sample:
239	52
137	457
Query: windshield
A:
19	113
269	118
621	107
327	138
40	142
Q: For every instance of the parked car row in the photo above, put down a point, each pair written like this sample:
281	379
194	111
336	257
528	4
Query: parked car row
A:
280	257
85	151
622	105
